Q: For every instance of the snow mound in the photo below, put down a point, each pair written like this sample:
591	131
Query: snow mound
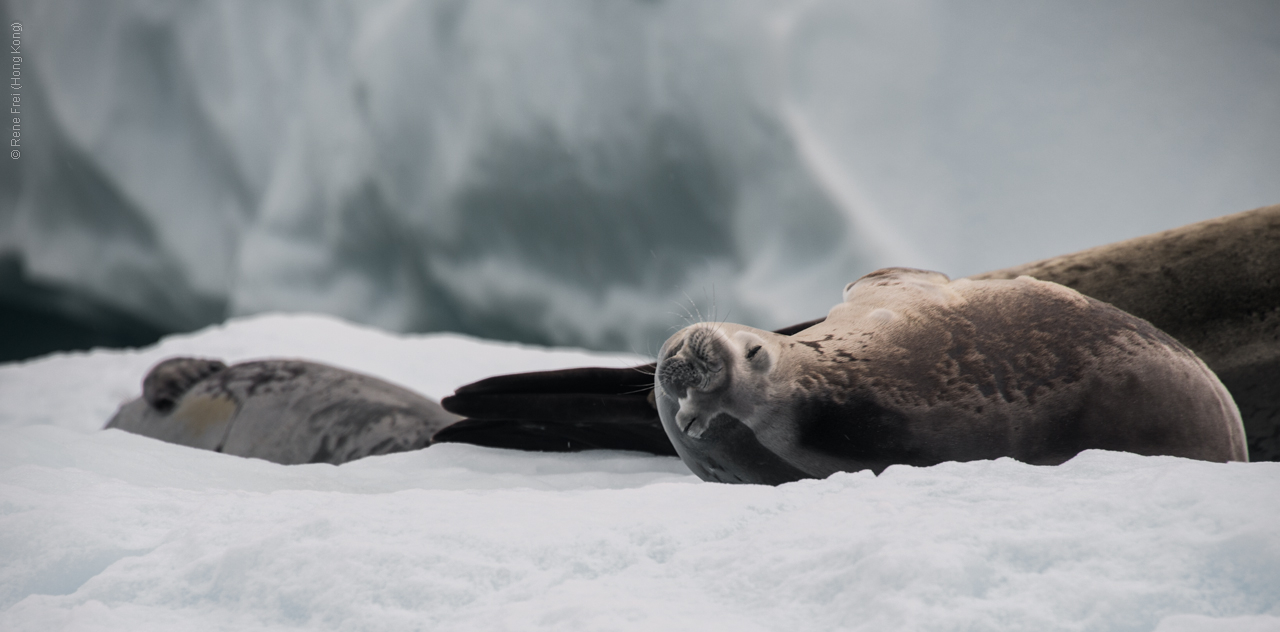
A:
102	530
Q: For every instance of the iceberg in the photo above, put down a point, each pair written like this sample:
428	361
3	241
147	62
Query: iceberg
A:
594	175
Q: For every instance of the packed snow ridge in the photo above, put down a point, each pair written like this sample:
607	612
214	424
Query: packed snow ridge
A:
103	530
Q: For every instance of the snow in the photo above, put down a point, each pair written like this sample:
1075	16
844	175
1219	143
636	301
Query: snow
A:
566	172
103	530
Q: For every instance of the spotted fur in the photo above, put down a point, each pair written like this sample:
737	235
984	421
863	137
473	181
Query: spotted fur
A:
915	368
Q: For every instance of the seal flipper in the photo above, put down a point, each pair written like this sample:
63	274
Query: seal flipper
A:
551	436
799	327
168	381
560	411
565	411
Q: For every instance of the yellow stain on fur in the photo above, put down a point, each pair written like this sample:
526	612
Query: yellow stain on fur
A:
199	413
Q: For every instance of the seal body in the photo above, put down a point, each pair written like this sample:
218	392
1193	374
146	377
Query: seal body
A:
914	368
285	411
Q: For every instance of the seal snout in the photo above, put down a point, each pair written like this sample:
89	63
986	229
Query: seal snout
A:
677	375
710	371
695	361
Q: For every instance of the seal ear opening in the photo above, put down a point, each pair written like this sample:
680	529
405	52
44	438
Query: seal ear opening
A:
168	381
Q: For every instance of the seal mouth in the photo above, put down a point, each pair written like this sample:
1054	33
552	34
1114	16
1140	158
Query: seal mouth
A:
685	421
684	383
695	425
694	369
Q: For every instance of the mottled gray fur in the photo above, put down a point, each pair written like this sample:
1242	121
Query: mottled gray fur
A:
285	411
914	368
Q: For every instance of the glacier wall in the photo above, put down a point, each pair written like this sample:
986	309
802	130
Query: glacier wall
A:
594	174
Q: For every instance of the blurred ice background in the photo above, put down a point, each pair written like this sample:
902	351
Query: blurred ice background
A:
581	173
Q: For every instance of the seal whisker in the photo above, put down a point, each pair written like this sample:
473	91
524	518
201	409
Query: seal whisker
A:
688	316
640	370
694	304
720	325
712	299
687	319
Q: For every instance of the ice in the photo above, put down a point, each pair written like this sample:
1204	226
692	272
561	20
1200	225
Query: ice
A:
103	530
573	173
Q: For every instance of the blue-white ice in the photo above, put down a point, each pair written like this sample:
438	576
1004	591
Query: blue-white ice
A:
568	172
102	530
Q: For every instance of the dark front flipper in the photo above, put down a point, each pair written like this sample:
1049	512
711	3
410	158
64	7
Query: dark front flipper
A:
564	411
799	327
560	411
554	436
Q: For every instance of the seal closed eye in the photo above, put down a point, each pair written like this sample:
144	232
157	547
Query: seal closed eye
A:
917	369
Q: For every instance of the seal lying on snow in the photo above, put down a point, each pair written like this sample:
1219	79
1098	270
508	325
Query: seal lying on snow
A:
913	368
1214	286
285	411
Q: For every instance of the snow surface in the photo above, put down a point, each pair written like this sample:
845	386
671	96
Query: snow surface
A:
564	172
103	530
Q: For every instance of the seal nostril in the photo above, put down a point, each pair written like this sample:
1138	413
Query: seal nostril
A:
674	349
676	375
